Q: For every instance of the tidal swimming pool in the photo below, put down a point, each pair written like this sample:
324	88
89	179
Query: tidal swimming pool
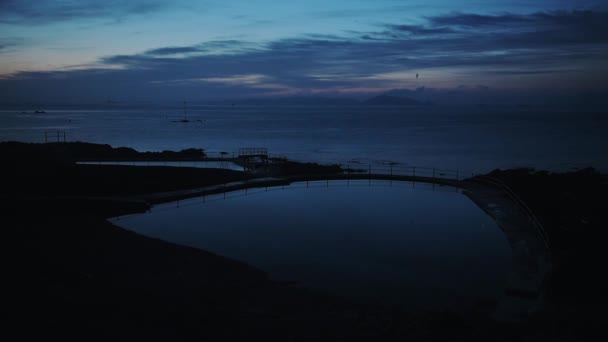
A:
415	246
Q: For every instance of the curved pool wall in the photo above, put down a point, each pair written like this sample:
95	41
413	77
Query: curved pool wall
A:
418	246
524	295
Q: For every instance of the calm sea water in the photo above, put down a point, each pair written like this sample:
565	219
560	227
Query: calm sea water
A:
415	246
465	139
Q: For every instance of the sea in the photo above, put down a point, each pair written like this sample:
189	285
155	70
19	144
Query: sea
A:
470	139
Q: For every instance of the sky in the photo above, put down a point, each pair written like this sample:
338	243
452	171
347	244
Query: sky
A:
157	50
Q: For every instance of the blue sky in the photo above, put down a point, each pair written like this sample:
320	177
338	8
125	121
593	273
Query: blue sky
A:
155	49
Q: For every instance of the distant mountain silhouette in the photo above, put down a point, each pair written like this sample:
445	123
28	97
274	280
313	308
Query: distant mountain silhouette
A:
388	100
383	99
294	100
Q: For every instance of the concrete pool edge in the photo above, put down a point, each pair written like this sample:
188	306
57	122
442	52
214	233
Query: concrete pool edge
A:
531	260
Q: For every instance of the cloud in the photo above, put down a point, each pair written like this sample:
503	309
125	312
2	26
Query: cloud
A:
210	47
478	20
45	11
575	19
420	30
568	27
173	50
529	72
522	49
238	79
251	81
8	44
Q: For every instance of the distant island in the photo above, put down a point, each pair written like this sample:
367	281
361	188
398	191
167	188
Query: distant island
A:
292	100
34	112
383	99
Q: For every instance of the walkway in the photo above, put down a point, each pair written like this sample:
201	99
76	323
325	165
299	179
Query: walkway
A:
531	259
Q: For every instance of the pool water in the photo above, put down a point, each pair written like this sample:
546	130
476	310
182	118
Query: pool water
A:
414	246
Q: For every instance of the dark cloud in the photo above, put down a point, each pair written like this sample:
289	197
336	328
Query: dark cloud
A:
551	27
7	44
529	72
536	45
421	30
324	36
173	50
44	11
478	20
213	47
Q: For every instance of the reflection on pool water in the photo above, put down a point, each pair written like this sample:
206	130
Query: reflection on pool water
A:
415	246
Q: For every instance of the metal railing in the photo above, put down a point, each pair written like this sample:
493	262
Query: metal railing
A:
235	155
254	190
253	152
220	155
54	136
402	170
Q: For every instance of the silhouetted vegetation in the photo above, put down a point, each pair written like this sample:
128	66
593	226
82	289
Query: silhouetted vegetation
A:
82	151
49	169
